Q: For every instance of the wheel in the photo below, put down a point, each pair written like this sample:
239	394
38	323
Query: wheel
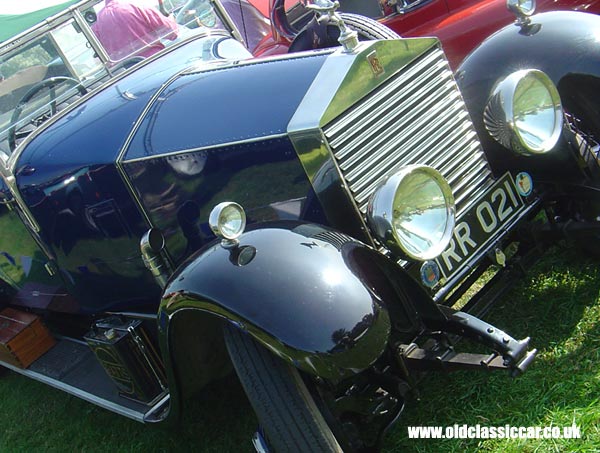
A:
588	243
319	34
367	28
581	98
279	397
48	84
298	414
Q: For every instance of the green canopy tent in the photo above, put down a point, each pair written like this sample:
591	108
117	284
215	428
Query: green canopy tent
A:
18	16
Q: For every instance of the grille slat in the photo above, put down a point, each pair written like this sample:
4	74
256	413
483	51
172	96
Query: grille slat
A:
408	128
459	141
460	186
419	72
470	193
381	115
456	168
410	143
417	117
419	151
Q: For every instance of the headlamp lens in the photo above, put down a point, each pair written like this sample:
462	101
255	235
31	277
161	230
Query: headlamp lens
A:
228	220
414	211
524	113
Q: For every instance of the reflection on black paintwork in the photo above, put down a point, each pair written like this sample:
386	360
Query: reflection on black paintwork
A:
179	191
78	211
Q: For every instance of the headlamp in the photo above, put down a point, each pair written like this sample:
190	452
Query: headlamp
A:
413	212
228	221
524	113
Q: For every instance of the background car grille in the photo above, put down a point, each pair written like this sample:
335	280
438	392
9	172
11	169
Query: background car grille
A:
416	117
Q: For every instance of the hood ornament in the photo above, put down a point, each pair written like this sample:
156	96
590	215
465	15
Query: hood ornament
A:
348	38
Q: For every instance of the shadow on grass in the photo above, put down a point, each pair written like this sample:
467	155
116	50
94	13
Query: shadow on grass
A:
35	417
220	417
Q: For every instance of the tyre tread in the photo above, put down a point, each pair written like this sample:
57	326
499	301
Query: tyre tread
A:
368	28
279	397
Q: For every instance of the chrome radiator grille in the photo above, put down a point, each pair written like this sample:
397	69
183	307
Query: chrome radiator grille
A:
416	117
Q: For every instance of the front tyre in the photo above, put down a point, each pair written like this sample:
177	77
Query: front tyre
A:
581	97
284	406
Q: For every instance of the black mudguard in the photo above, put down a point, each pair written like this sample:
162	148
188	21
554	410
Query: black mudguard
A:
562	44
317	298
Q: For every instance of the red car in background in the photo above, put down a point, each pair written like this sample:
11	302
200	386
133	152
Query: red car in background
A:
459	24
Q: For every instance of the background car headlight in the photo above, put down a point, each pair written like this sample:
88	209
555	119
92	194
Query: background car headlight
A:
524	112
227	220
413	212
522	8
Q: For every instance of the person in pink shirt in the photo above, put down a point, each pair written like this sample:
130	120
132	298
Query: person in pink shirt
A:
127	30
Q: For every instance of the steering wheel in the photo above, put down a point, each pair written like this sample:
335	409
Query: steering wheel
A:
49	84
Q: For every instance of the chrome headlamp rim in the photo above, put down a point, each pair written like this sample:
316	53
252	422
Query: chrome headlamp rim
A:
218	223
499	114
380	213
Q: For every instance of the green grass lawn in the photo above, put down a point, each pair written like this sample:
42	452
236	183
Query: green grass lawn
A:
557	304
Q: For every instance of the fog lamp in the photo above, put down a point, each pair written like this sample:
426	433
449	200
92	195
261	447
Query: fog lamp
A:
524	113
413	212
227	220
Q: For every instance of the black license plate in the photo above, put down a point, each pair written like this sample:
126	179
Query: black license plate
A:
476	227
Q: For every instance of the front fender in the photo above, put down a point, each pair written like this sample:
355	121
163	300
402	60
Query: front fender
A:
311	295
565	45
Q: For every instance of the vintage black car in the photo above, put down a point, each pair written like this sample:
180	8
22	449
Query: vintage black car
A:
314	219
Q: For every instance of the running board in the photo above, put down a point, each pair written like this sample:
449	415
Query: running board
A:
81	375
